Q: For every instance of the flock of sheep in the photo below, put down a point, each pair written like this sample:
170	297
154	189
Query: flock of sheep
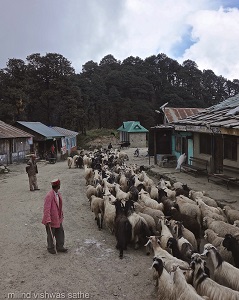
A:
171	220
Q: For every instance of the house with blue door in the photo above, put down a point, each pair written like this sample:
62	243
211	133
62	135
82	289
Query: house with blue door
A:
69	141
164	142
212	135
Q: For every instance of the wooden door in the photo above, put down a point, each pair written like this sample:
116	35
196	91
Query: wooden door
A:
217	154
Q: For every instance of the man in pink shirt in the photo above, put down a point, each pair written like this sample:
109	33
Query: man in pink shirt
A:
52	219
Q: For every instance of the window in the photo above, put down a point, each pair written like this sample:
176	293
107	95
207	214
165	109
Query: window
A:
230	148
178	144
205	144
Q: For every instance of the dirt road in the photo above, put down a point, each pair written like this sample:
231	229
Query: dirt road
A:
90	270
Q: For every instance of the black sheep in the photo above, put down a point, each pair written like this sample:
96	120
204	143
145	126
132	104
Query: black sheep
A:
123	228
188	222
232	244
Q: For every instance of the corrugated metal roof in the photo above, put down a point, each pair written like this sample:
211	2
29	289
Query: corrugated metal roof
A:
41	129
8	131
65	132
224	114
132	126
174	114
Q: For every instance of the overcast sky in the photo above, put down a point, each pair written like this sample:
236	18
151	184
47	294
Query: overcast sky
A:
205	31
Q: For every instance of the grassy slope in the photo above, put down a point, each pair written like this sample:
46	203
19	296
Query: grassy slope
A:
96	138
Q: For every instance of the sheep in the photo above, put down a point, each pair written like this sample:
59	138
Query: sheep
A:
153	192
232	214
209	201
164	281
122	155
122	229
208	287
110	212
87	161
79	162
167	258
186	249
134	193
140	227
75	157
170	193
188	222
91	190
189	209
183	290
220	227
232	244
213	238
178	185
214	212
151	223
97	206
236	223
179	231
165	233
154	213
89	175
123	182
185	199
183	191
224	273
147	201
121	195
69	161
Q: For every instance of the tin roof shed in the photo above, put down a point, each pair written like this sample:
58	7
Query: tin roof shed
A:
65	132
47	132
8	131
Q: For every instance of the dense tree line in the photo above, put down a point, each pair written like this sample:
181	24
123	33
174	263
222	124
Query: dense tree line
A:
47	89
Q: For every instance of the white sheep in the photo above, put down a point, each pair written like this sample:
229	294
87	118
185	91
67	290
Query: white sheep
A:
232	214
121	195
97	207
168	259
69	162
75	157
165	233
156	214
209	211
183	290
147	201
209	201
205	286
89	175
109	211
224	273
220	227
213	238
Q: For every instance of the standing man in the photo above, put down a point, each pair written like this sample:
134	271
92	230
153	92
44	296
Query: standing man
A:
53	217
32	170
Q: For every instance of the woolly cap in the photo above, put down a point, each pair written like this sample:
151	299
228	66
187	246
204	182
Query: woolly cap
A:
55	182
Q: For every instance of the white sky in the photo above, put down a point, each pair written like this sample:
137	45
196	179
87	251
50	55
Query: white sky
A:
205	31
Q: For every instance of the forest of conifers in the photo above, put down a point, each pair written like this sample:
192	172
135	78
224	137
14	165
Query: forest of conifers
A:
47	89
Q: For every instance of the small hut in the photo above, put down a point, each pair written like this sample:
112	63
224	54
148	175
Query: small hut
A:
133	133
